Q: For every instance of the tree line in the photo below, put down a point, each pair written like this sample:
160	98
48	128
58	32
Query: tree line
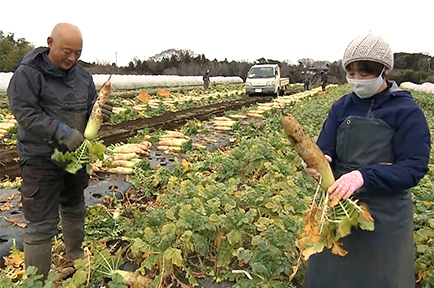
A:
12	51
414	67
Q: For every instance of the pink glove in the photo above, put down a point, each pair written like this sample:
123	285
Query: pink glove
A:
311	171
345	186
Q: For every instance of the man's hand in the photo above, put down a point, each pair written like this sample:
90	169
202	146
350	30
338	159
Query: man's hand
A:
68	136
311	171
106	110
74	140
345	186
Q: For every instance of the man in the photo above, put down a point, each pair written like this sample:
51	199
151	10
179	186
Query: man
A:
205	79
306	80
51	96
324	79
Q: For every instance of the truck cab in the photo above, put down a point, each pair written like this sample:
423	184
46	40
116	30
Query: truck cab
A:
265	79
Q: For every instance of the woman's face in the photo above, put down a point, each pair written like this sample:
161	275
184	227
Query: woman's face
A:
366	78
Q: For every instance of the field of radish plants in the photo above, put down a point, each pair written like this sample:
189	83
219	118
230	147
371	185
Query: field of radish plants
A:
130	107
226	217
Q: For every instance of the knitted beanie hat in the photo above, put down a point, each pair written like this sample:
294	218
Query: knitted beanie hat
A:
369	47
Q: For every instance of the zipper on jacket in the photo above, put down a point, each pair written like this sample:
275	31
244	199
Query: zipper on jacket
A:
370	114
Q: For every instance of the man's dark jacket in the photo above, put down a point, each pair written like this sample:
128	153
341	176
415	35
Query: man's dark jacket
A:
42	95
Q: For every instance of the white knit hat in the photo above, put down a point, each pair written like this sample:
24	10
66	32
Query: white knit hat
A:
369	47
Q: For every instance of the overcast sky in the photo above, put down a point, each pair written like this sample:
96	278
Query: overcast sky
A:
232	29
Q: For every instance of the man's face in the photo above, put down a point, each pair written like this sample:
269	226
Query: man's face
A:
64	52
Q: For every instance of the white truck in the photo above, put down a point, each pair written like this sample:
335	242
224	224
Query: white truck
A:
265	79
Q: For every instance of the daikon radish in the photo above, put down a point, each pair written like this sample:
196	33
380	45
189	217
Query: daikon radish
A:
6	126
132	279
121	156
255	115
238	116
175	142
174	134
131	148
224	123
169	148
96	117
123	163
119	170
146	143
222	119
308	150
223	128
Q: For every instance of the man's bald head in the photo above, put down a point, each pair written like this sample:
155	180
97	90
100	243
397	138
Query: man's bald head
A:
65	43
65	29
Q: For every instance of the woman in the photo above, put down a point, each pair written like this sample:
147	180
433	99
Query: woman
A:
378	143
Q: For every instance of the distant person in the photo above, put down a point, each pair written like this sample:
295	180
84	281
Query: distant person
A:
324	79
52	96
306	81
205	79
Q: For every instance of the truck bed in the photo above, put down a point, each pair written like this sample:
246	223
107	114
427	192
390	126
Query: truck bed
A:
284	82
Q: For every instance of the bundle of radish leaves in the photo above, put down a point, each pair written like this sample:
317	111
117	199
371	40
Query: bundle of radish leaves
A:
328	220
92	147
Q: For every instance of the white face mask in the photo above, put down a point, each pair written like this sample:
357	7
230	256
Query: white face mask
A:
366	88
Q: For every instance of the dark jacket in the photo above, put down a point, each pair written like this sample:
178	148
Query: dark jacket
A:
306	78
42	95
411	143
324	77
205	76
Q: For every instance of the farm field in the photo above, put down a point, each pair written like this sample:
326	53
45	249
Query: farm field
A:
138	104
226	212
127	106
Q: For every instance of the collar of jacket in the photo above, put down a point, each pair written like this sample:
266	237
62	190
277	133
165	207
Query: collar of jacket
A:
38	59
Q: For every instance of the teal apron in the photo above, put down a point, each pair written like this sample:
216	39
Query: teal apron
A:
383	258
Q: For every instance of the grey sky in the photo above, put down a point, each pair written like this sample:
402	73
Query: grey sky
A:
237	30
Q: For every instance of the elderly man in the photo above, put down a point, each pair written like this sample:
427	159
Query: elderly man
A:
51	96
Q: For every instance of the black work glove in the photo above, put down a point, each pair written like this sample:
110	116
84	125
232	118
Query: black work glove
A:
68	136
106	110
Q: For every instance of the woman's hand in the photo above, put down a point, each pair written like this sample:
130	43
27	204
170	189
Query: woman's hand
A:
311	171
345	186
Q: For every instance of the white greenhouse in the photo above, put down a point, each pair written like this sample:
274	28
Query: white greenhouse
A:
141	81
426	87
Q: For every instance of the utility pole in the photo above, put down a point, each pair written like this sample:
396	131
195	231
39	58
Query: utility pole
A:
116	58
